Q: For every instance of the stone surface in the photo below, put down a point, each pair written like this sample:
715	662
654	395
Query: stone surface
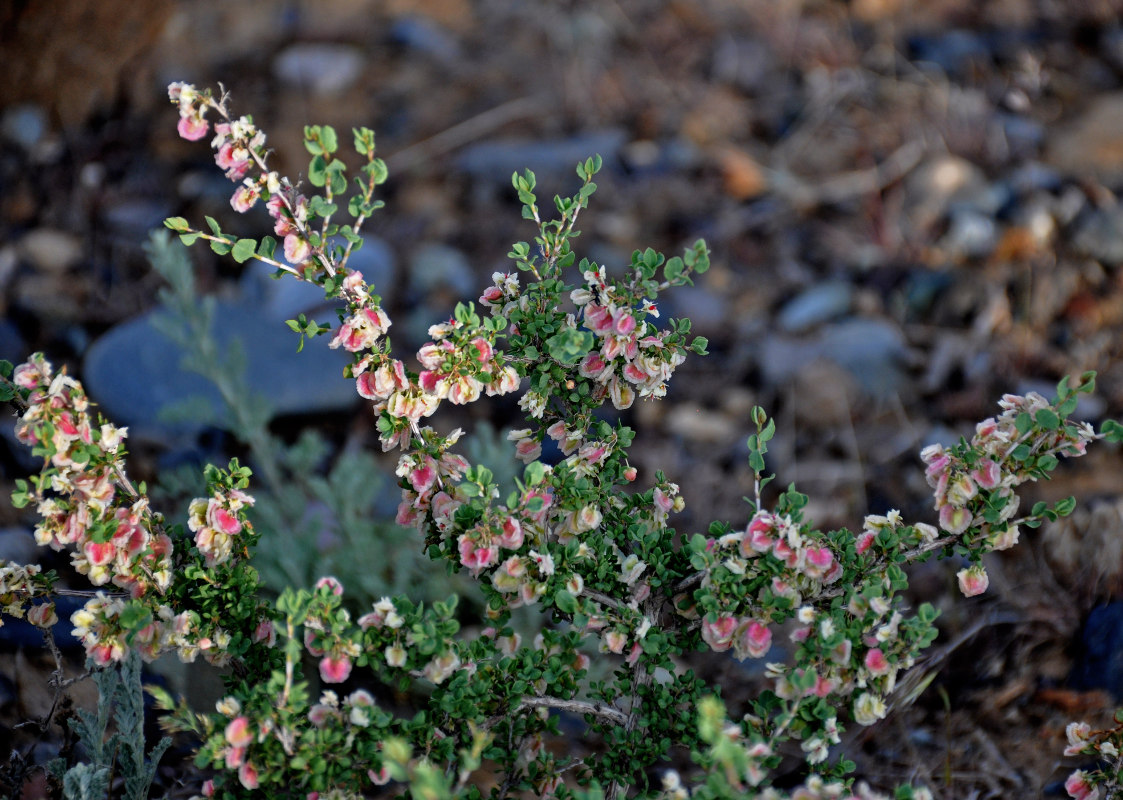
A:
51	250
496	159
818	304
324	69
872	350
133	371
1089	144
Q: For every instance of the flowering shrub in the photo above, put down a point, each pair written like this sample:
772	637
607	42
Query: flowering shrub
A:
578	539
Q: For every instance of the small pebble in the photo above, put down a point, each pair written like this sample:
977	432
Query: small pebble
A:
323	69
50	250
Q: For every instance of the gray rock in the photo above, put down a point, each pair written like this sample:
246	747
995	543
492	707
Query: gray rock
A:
1099	235
1099	663
286	298
818	304
971	234
133	218
741	62
17	546
133	371
495	160
438	267
426	37
321	68
24	125
376	260
51	250
707	310
872	350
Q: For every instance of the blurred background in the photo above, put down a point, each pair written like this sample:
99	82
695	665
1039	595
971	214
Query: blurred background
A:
912	207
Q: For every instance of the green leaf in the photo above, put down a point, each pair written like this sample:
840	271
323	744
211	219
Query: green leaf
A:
570	345
379	171
565	602
217	231
1112	430
178	224
243	250
1066	506
317	171
1047	419
699	345
672	270
267	247
329	139
189	238
220	246
534	473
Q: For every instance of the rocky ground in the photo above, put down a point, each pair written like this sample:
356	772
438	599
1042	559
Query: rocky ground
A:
912	207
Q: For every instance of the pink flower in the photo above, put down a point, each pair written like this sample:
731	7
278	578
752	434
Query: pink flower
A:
238	732
379	778
614	642
335	670
955	520
265	632
244	198
222	519
986	474
234	756
42	615
876	662
192	127
422	478
297	249
1078	786
247	775
756	639
863	542
592	366
1077	734
819	560
719	633
483	348
332	584
512	534
973	580
99	553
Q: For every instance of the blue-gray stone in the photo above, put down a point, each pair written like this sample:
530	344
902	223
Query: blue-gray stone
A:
133	218
286	298
24	125
319	67
971	234
17	546
133	371
1099	664
873	350
820	303
1100	236
426	37
437	266
495	160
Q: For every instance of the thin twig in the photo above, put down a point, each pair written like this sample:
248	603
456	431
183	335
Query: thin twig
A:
460	134
582	707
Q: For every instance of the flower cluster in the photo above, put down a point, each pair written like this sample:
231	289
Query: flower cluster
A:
974	484
632	359
113	534
216	522
577	538
18	585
